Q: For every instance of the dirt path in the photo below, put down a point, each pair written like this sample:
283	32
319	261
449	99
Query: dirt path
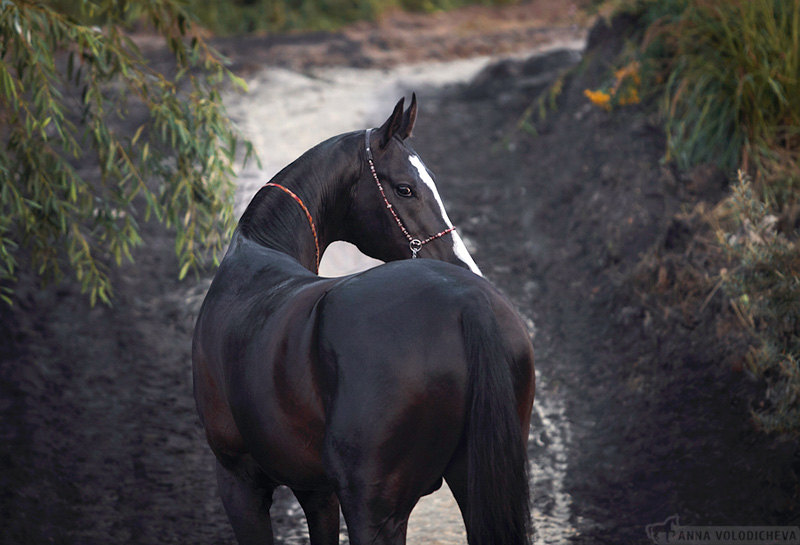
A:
636	419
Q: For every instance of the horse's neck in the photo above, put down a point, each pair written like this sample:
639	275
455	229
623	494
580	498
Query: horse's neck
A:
318	178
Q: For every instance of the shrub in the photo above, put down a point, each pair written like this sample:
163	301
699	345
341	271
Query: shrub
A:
765	289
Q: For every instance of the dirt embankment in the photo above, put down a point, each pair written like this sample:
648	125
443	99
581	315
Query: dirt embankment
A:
99	437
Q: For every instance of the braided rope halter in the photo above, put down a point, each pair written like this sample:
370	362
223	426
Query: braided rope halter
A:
414	243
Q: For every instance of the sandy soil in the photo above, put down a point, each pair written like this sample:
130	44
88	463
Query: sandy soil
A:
642	412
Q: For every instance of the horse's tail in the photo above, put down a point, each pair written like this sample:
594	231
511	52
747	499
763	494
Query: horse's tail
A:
498	502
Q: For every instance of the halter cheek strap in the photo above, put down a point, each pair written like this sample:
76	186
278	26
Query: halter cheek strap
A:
299	201
414	243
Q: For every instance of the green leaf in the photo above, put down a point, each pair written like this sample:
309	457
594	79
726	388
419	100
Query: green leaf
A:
184	270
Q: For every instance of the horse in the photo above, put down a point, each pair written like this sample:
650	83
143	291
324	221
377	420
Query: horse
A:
362	392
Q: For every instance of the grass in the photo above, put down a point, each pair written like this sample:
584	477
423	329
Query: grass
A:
728	74
732	93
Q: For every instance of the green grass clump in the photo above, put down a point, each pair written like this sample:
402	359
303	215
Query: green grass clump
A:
733	89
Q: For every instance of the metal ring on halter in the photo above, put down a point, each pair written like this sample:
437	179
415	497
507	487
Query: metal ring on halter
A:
416	245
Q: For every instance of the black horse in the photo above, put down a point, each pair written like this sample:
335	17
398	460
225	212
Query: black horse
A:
362	391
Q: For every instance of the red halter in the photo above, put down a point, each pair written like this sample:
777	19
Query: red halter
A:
308	216
414	243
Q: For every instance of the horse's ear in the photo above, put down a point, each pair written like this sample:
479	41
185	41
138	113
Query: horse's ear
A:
409	118
392	125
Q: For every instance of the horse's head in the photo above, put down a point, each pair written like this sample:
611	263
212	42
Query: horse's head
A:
397	212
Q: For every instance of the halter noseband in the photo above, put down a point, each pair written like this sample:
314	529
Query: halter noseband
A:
414	244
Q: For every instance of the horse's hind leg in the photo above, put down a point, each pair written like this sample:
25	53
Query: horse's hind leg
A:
247	504
322	513
376	501
456	477
373	519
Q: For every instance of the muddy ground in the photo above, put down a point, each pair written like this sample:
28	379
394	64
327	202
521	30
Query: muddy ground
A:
99	442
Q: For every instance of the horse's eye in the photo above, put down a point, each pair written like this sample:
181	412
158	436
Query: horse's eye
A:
404	190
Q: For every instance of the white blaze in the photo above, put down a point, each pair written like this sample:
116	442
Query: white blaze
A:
462	253
458	245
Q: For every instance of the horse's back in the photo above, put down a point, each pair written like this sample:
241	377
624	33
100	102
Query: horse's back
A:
413	306
404	319
405	311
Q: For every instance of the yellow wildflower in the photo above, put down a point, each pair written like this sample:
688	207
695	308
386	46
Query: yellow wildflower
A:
599	98
624	91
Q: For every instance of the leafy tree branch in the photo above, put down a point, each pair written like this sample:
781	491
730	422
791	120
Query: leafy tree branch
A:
73	188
